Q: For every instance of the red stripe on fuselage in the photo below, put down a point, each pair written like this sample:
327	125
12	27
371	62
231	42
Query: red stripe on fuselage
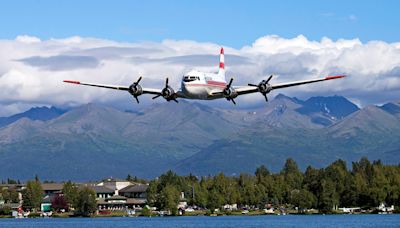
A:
222	86
216	83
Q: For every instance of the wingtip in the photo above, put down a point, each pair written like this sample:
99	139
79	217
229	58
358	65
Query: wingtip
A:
334	77
73	82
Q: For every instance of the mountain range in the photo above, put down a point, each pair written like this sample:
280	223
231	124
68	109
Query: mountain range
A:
93	141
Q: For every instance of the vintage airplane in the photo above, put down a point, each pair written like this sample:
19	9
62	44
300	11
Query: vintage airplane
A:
205	86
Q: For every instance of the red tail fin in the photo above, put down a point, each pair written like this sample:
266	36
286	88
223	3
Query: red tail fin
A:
221	59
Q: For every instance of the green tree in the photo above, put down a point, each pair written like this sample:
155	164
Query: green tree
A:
5	210
349	196
215	200
290	167
393	175
71	194
129	178
328	198
303	199
11	181
32	195
153	194
86	204
169	199
293	176
9	195
201	195
261	173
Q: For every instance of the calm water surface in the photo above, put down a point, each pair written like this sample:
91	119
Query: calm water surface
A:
221	221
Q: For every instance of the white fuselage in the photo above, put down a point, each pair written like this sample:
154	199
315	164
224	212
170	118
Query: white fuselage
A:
200	85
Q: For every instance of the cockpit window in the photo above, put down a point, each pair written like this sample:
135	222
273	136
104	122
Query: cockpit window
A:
190	78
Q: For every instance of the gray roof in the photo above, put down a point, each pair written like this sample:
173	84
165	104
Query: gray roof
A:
101	189
52	186
136	201
12	186
136	188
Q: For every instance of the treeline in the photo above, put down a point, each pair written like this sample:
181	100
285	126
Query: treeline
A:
366	185
81	199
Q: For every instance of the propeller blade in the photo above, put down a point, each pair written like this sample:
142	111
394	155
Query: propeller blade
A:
270	77
166	83
137	82
137	100
156	96
230	83
233	101
175	100
266	98
252	85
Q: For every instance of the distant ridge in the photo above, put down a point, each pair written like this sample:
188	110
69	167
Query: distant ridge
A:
92	141
37	113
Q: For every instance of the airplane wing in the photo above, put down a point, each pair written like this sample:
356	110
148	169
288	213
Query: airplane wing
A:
116	87
252	89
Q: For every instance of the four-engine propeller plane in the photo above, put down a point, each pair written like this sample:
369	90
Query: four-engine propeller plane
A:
205	86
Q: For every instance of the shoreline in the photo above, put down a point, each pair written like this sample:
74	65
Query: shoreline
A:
201	214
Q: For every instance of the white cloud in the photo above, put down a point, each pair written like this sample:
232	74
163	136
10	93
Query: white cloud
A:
27	39
32	70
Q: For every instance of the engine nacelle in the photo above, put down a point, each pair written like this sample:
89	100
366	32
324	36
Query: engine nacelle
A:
230	93
264	87
168	93
135	90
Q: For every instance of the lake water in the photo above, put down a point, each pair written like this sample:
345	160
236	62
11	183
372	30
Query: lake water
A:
220	221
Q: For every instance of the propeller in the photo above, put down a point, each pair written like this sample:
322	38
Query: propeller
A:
136	90
264	87
168	93
228	92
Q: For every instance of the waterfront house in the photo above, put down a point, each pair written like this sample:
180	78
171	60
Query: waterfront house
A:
117	202
114	184
102	192
52	188
135	190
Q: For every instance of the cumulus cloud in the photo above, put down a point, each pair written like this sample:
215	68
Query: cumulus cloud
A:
61	62
32	70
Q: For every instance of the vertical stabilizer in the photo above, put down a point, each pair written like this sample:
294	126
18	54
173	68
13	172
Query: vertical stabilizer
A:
221	71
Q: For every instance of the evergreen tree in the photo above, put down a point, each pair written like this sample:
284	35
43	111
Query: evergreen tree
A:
32	194
9	195
169	199
86	203
303	199
262	171
328	197
129	178
71	194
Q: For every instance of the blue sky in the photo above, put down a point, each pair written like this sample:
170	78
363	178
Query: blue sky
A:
232	23
260	38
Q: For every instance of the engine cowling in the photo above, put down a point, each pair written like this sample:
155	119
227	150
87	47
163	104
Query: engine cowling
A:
135	90
230	93
264	87
168	93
